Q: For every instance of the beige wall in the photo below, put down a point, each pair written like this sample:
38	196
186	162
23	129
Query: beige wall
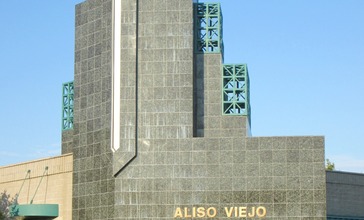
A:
55	188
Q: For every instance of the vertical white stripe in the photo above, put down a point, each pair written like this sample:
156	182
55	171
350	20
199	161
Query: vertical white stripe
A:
115	114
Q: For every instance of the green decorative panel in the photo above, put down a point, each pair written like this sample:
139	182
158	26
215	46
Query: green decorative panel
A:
235	89
67	105
208	28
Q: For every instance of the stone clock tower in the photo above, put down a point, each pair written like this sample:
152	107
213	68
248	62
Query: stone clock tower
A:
159	126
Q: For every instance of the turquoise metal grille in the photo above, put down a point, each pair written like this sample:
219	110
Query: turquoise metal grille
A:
235	89
67	105
208	28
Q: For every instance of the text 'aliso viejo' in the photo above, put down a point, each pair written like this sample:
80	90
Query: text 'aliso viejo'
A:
230	212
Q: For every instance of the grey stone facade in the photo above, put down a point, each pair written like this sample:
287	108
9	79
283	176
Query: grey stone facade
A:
177	149
345	195
93	181
284	174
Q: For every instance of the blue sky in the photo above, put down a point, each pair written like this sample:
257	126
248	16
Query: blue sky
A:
305	61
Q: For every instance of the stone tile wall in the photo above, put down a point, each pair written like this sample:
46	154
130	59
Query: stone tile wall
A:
67	141
93	181
345	194
283	174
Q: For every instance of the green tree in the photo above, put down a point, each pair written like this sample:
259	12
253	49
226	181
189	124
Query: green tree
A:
329	165
2	217
5	202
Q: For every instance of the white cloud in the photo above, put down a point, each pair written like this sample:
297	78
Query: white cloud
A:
46	151
8	154
348	163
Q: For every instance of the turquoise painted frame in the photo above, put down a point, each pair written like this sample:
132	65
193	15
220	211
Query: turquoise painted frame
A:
235	90
67	105
208	28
